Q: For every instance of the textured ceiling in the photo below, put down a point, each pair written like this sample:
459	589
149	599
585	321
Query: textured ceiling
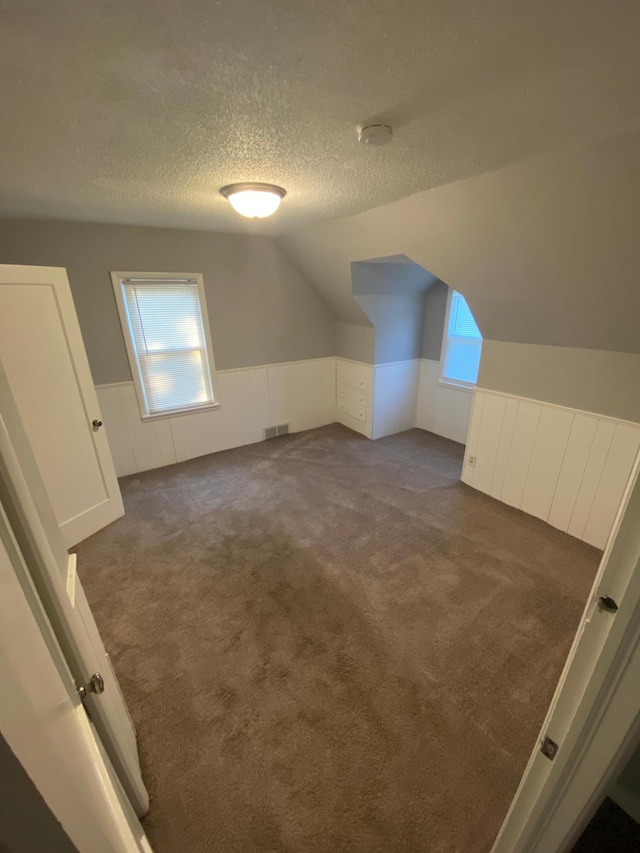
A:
138	111
546	251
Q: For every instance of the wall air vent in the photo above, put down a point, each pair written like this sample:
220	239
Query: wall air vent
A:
274	431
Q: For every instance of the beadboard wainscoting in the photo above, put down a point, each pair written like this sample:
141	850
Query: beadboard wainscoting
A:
562	465
440	408
388	398
300	393
395	392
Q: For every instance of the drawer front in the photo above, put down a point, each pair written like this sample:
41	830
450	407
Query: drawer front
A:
354	395
353	377
354	410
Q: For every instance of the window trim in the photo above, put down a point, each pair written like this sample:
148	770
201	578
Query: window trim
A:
442	379
116	279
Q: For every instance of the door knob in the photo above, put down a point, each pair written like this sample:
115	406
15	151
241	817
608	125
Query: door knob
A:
96	424
94	685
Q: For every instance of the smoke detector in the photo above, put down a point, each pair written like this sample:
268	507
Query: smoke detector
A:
375	134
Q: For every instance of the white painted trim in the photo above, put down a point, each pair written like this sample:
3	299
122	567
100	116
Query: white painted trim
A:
594	715
353	361
45	725
598	415
445	332
72	575
227	370
442	380
176	413
117	277
393	363
467	387
123	384
278	364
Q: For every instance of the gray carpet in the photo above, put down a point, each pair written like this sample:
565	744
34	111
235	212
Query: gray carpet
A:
331	644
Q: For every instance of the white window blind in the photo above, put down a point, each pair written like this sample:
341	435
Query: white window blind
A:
169	343
463	344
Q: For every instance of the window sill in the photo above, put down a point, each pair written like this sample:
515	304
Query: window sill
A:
177	413
458	386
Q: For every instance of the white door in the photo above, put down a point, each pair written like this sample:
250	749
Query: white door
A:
584	726
44	358
53	573
44	723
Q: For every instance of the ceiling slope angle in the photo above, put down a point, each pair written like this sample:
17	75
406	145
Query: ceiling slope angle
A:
545	251
137	113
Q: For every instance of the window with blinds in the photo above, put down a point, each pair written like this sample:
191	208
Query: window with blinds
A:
167	343
463	344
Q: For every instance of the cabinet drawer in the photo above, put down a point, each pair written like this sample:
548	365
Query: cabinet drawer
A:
352	377
354	410
354	395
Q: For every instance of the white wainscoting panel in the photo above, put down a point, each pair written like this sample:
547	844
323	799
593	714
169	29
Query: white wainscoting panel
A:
564	466
504	447
622	454
301	394
576	456
395	391
442	409
524	435
548	453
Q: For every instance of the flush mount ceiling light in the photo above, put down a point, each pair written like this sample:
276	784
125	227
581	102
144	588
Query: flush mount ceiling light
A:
255	201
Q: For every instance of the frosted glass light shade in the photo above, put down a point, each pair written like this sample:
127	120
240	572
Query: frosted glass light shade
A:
255	201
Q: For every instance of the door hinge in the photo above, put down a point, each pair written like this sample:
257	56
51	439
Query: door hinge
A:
549	748
94	685
607	604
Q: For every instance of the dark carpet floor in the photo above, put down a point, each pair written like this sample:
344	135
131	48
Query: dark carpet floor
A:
331	644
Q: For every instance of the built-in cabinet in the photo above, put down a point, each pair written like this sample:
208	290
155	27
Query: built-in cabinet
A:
354	386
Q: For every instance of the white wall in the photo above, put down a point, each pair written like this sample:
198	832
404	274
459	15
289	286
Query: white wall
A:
565	466
389	398
395	393
374	401
302	394
442	408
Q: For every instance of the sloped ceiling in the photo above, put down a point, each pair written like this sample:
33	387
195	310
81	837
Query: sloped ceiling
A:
546	251
138	111
397	275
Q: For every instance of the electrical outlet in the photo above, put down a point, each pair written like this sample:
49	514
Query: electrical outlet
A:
471	461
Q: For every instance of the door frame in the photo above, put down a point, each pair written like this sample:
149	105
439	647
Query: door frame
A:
45	724
51	570
597	731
